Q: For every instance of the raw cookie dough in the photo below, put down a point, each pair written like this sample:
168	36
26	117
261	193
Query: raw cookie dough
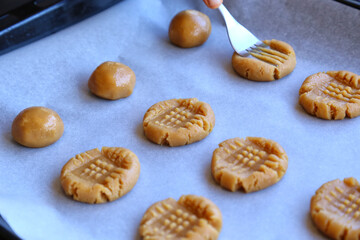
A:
98	177
266	64
189	28
37	127
191	217
331	95
250	164
177	122
335	209
112	80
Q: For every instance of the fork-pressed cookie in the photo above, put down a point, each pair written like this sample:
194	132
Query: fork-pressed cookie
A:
178	122
191	217
331	95
335	209
266	64
250	164
98	177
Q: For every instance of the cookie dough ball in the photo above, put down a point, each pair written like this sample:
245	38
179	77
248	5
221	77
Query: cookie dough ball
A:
112	80
37	127
266	64
189	28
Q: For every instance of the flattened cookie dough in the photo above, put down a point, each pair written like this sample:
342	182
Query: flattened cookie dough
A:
191	217
331	95
250	164
266	64
335	209
98	177
177	122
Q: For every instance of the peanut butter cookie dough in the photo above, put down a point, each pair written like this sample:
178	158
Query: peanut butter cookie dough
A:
250	164
191	217
189	28
266	64
98	177
335	209
177	122
112	80
331	95
37	127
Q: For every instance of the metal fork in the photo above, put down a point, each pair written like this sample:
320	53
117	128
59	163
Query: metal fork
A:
241	39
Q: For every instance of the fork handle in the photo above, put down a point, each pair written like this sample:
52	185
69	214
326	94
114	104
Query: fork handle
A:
226	14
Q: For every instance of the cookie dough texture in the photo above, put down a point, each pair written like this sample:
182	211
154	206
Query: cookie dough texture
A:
112	80
191	217
331	95
250	164
37	127
335	209
189	28
178	122
98	177
266	64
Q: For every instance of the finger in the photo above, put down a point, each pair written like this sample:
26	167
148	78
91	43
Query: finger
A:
213	3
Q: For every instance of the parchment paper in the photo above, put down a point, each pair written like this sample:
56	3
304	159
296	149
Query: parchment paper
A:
53	72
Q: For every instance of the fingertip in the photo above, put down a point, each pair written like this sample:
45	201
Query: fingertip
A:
213	4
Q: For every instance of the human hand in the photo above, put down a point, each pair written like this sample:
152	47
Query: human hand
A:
213	3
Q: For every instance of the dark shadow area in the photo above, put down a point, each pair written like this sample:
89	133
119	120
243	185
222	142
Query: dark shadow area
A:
299	109
137	234
311	227
165	40
352	3
141	135
208	176
58	192
8	138
14	146
6	233
227	66
83	88
26	21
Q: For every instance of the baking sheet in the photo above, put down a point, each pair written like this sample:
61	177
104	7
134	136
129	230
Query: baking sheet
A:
53	72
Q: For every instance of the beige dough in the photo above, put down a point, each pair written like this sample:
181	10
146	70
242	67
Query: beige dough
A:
189	28
191	217
266	64
98	177
331	95
250	164
177	122
37	127
335	209
112	80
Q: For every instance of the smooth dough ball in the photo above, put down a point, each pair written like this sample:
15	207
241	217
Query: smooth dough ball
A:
112	80
189	28
37	127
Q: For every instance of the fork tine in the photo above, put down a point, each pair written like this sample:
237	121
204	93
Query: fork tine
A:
268	55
